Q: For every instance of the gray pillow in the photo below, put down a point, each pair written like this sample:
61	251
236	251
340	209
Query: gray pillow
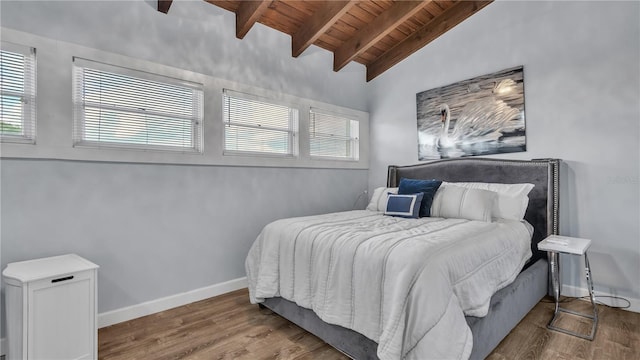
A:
463	203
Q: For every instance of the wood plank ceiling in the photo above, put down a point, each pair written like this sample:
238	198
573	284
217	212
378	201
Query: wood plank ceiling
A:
375	33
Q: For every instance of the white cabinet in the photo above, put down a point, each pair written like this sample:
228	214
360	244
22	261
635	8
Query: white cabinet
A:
51	309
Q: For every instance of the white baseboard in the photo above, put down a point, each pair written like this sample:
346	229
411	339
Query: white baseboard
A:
169	302
574	291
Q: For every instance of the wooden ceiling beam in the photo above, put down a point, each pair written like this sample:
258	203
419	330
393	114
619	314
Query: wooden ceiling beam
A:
319	22
248	13
429	32
164	5
380	27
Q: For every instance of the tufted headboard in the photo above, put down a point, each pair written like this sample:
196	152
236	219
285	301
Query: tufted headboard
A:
542	212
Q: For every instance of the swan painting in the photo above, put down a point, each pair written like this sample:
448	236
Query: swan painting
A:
444	141
480	116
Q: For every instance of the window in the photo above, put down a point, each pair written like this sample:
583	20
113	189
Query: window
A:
259	126
120	107
18	93
333	135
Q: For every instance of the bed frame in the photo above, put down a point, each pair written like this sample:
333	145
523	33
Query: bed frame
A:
509	305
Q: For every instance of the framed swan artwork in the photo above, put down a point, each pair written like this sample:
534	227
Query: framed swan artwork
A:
479	116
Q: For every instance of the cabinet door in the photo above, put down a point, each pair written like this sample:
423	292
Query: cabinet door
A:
62	318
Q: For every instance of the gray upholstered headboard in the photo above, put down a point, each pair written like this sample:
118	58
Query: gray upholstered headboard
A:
542	212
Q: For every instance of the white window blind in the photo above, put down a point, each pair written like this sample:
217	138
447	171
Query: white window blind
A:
333	135
18	93
120	107
256	125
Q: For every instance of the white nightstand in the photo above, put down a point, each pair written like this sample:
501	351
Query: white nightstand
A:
554	245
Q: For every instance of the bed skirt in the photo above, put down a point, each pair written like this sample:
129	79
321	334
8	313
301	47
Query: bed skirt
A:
508	306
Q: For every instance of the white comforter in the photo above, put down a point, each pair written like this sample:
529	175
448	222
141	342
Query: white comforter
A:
404	283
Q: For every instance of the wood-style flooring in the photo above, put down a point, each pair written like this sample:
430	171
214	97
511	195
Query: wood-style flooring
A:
229	327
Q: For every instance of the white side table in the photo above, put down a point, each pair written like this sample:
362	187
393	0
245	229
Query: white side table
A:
555	245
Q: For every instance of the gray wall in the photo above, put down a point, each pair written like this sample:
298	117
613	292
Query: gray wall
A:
582	85
158	230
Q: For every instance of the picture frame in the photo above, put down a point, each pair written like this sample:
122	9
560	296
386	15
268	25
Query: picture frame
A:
483	115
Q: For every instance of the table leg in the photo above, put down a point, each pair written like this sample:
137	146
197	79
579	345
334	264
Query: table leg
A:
555	280
554	264
587	270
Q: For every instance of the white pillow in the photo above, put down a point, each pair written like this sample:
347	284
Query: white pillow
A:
379	198
512	199
463	203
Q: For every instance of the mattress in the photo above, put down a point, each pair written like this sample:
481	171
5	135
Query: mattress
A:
406	284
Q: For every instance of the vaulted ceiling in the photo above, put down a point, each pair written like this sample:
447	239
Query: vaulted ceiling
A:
375	33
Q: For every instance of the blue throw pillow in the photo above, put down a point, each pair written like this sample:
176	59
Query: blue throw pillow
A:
427	187
404	205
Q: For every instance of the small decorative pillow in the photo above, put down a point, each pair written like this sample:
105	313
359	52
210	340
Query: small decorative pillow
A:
512	200
379	198
463	203
427	187
404	205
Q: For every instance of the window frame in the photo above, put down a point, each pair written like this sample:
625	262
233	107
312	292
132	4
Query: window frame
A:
79	105
293	137
55	115
28	97
354	142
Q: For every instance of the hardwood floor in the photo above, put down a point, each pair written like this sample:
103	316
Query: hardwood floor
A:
229	327
617	336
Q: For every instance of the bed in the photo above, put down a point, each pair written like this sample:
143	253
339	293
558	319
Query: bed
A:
504	309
